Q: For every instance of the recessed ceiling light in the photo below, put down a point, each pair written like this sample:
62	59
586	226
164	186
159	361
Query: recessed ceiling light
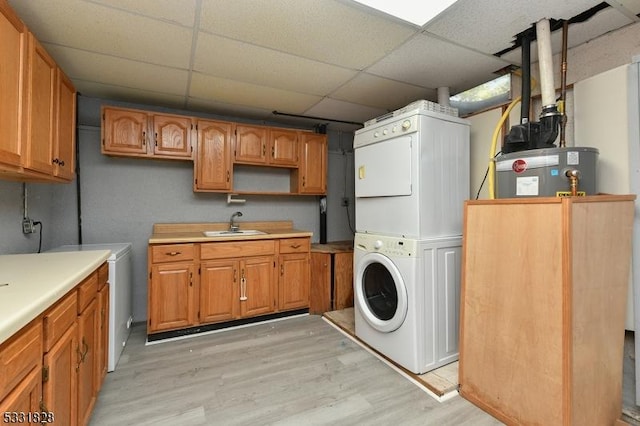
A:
418	12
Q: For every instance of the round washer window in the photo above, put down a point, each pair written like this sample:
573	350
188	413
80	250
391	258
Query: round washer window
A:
380	292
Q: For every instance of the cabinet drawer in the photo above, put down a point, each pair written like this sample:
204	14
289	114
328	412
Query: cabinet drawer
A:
59	318
237	249
172	253
295	245
19	355
87	291
103	275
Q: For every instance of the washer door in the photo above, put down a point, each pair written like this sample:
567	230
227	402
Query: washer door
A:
381	294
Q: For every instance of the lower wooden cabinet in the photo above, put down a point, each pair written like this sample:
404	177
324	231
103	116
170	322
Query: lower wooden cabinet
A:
88	362
52	366
171	296
225	281
60	388
22	405
293	281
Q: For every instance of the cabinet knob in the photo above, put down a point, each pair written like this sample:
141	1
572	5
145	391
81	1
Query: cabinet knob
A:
173	253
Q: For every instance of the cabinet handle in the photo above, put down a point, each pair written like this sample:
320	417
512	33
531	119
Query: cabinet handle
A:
144	138
173	253
295	246
55	161
228	176
85	348
156	138
273	152
190	279
264	150
243	289
281	269
61	163
303	181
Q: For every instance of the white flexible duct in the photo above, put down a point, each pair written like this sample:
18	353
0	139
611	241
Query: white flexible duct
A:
443	96
545	61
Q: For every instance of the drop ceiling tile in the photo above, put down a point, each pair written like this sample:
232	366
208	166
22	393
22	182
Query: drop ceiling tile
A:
431	62
491	26
181	12
227	110
346	111
109	31
378	92
328	31
230	59
89	66
236	92
126	94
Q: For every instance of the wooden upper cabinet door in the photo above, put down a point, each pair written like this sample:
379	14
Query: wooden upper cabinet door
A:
124	131
172	136
251	144
41	108
313	172
213	162
284	147
13	42
65	143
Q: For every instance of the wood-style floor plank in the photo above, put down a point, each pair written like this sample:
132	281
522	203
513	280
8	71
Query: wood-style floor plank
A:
299	371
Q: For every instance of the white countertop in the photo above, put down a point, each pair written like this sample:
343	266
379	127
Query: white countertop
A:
30	283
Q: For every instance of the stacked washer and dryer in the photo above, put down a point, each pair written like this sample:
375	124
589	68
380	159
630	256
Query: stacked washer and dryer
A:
411	181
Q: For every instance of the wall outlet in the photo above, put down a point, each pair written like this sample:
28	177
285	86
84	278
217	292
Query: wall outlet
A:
345	202
27	226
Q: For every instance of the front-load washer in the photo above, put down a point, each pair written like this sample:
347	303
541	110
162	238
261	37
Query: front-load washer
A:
406	298
412	173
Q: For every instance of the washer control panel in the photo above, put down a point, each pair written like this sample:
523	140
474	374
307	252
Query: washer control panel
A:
389	246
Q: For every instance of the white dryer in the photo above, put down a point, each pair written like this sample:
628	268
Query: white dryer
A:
412	173
407	297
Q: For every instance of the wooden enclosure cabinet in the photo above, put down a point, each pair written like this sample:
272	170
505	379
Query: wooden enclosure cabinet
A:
266	146
331	277
544	287
135	133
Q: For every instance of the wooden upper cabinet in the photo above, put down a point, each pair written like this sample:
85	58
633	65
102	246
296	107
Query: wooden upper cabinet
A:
41	108
13	45
124	132
213	169
283	147
172	136
312	177
64	151
251	144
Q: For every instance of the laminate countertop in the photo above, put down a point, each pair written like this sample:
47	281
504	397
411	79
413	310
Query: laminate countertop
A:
169	233
31	283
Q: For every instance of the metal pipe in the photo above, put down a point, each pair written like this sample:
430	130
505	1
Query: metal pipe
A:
574	178
563	83
526	77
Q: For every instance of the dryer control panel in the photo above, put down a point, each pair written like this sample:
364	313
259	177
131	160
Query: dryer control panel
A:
389	246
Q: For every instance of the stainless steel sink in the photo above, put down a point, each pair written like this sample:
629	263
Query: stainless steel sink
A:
237	233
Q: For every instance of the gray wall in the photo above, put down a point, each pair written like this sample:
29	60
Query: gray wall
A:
121	199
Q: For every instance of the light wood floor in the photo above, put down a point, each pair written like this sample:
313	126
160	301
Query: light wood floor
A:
299	371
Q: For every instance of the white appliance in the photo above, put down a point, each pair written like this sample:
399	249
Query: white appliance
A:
412	172
120	294
407	297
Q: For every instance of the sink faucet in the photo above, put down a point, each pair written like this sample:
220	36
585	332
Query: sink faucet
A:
232	226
